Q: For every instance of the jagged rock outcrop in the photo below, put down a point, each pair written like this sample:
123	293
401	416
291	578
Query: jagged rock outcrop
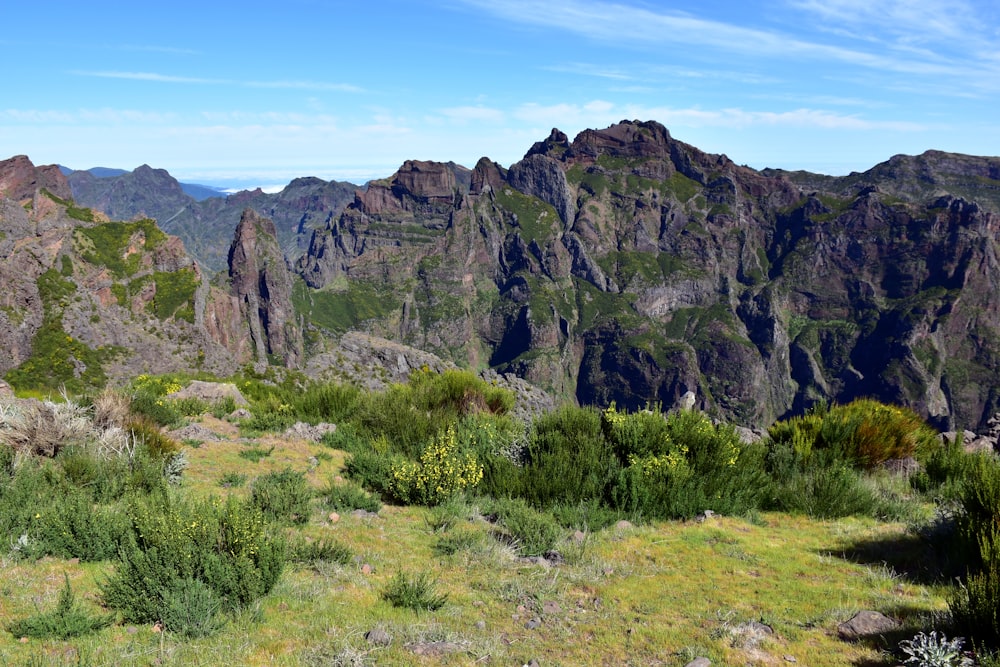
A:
20	179
262	284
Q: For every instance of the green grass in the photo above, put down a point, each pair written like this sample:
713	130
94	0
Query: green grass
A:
118	245
344	306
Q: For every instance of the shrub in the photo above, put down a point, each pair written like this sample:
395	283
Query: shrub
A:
191	609
441	472
255	453
65	621
322	550
349	497
69	526
155	407
825	492
863	433
156	443
533	533
223	407
282	496
417	592
682	464
191	406
976	604
232	479
221	544
372	466
567	459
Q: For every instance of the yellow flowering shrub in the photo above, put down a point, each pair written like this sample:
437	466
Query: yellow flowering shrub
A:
441	472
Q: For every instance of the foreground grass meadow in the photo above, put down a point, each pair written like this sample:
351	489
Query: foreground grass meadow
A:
656	594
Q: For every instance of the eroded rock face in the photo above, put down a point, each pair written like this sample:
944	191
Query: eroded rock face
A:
20	179
261	282
84	302
626	265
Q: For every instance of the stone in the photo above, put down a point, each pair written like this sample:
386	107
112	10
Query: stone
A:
334	517
551	607
533	624
699	662
211	392
866	624
623	525
304	431
367	569
378	637
6	391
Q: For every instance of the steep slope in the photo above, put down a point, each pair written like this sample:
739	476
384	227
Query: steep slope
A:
262	284
628	266
84	300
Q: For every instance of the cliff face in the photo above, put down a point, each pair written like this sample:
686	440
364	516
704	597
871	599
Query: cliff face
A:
625	265
263	287
84	300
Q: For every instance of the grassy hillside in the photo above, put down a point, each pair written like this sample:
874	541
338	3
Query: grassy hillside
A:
461	581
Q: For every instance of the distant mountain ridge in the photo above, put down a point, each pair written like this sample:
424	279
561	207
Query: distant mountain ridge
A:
206	224
627	266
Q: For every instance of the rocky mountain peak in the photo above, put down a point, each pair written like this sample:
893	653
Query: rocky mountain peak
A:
261	281
627	139
20	179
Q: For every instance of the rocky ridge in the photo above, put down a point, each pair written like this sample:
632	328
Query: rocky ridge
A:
626	265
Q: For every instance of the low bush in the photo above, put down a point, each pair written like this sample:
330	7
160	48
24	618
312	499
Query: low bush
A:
347	497
442	471
325	549
282	496
532	532
67	620
191	609
417	592
255	453
372	466
222	544
976	604
455	541
863	433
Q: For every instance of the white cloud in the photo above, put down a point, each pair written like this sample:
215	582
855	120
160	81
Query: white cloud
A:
169	78
148	76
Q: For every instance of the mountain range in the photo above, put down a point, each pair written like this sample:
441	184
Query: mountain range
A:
622	266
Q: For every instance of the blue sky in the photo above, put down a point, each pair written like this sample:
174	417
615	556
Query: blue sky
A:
258	93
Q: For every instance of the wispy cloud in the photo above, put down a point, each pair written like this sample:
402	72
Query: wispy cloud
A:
631	25
169	78
306	85
106	116
917	21
591	69
147	76
600	113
